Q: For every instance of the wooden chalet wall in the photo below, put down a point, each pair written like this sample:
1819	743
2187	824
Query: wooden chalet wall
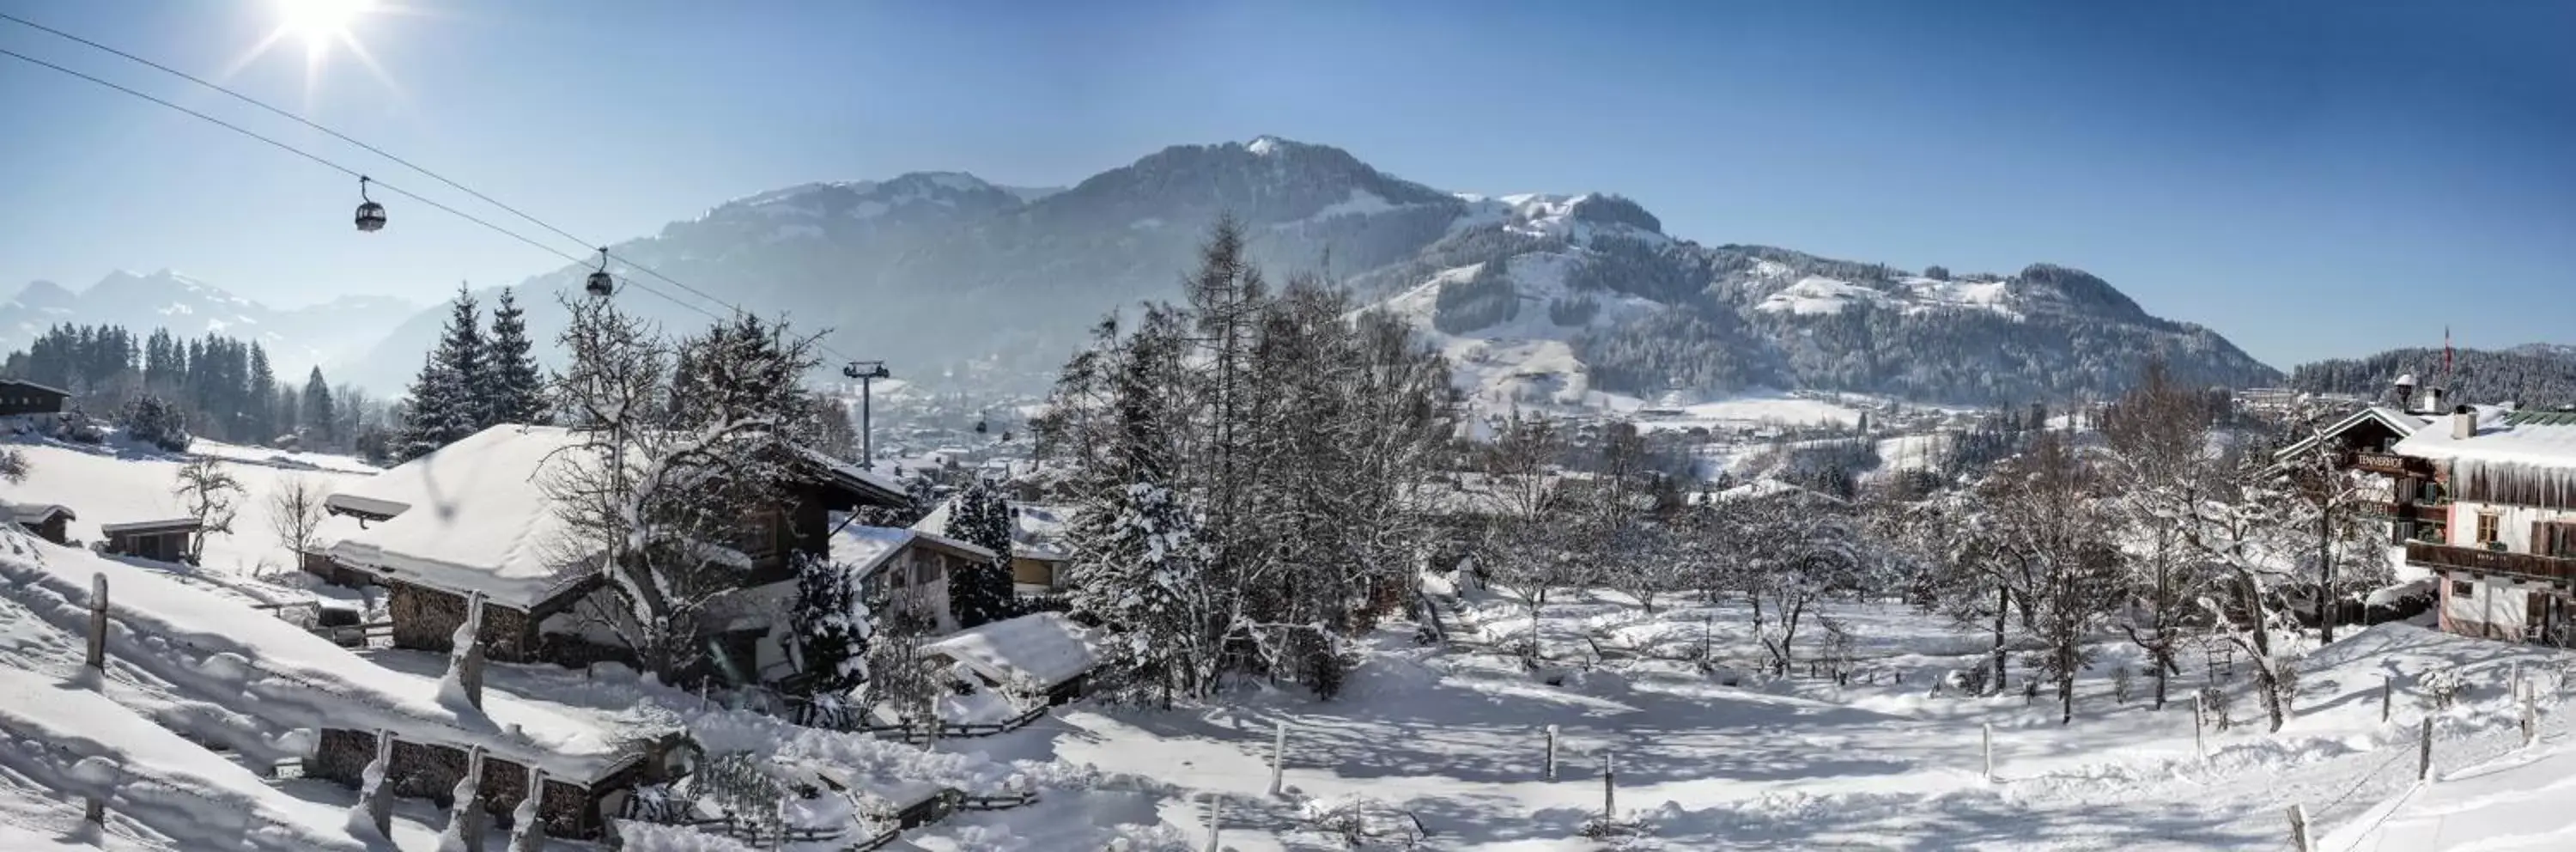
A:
428	771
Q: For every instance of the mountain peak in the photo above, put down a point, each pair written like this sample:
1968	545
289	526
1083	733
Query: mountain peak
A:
1266	145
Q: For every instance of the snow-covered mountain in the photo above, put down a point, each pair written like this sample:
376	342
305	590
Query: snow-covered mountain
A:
296	338
931	270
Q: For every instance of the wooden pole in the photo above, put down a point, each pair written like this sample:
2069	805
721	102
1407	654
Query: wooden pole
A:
98	622
1988	732
1279	757
380	795
1551	752
2387	689
2299	828
528	823
1216	819
2424	757
2199	720
2530	715
1609	783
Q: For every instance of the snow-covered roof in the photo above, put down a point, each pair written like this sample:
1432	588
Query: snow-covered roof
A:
36	386
221	650
1040	649
882	488
2397	421
37	513
165	524
2502	436
472	516
1037	530
864	549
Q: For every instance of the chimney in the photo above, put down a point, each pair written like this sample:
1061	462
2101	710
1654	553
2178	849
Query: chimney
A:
2464	423
2433	400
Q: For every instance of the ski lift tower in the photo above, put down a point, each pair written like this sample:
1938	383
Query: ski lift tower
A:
865	372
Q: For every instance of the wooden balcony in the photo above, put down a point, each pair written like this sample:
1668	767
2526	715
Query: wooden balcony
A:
2413	510
2483	561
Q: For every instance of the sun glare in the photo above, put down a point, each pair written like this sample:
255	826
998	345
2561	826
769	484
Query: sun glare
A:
320	23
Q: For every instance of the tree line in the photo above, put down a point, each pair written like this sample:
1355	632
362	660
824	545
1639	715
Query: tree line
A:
165	389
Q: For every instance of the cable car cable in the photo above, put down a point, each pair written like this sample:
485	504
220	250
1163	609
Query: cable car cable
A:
369	148
327	163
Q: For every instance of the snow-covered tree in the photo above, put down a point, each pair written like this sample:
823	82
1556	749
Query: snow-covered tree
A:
658	491
13	465
2053	534
832	624
513	390
2158	466
2243	527
901	678
320	415
212	495
982	592
2346	545
445	405
157	422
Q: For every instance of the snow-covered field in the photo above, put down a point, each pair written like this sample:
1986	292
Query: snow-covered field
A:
1445	745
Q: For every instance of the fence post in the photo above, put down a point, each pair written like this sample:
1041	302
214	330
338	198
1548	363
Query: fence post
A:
2387	689
2299	827
379	789
1278	756
1609	776
2424	757
2530	715
2199	720
98	622
1988	732
1216	819
1551	752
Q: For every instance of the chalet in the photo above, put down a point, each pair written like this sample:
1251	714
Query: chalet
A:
751	635
1038	549
48	521
2499	503
163	540
476	517
19	396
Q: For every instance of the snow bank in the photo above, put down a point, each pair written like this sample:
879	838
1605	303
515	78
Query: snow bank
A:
268	670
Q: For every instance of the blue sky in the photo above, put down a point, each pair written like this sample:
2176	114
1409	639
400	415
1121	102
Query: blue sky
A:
2310	178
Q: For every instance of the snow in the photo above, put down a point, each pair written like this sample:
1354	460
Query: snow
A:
113	484
1039	650
476	516
1361	203
272	675
2500	438
1263	146
1037	530
1815	295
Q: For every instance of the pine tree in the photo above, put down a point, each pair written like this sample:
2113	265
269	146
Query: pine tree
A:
982	593
513	388
831	620
257	406
444	408
321	415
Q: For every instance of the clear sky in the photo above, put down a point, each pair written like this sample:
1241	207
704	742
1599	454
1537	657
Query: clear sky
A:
2310	178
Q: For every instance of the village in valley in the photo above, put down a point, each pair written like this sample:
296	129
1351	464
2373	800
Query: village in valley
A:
1243	497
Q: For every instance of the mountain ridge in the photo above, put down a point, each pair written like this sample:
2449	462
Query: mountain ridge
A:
325	334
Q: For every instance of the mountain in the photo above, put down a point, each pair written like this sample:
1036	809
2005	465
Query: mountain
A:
1571	294
2535	375
297	338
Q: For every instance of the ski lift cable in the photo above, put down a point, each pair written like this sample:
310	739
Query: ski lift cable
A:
397	159
327	163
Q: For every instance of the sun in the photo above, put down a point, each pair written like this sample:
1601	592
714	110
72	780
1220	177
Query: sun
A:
320	23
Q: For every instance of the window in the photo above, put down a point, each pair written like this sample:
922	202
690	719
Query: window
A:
2462	589
2486	527
925	568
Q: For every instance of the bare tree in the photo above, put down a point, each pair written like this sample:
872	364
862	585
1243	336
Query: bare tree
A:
212	496
2051	528
2332	504
2159	466
295	513
2241	527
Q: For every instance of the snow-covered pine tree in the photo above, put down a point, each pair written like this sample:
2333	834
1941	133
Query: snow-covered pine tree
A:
321	414
831	621
513	389
259	413
982	592
444	405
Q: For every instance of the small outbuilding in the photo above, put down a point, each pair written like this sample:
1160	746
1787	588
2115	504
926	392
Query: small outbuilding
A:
1039	655
48	521
164	540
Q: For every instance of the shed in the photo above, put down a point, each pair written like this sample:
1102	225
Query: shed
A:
19	396
164	540
1041	653
48	521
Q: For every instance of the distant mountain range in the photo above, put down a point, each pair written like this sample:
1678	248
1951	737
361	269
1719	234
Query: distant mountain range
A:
1564	298
327	334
